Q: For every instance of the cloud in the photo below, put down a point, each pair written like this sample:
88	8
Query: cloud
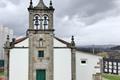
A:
98	17
88	7
71	17
90	11
16	2
5	3
16	16
66	26
104	32
2	4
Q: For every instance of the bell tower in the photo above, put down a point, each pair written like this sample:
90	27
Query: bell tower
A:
40	35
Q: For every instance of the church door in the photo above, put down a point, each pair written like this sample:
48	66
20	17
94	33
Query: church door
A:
40	75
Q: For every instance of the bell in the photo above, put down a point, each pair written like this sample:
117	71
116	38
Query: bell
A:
36	21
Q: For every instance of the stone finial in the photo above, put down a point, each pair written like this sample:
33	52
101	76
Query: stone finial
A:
31	4
8	38
7	44
72	41
13	42
72	38
51	6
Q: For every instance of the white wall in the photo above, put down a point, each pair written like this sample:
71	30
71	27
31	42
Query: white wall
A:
85	71
62	64
23	43
58	44
19	64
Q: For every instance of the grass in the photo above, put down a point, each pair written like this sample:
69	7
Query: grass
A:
1	73
111	77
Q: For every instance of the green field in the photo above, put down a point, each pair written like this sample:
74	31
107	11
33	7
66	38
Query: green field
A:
1	73
111	77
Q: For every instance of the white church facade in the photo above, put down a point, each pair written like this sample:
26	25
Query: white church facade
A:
49	57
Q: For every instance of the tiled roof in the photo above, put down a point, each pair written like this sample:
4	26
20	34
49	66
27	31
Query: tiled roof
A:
23	38
20	40
61	40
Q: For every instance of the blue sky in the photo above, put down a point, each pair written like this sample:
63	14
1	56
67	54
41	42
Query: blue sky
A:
90	21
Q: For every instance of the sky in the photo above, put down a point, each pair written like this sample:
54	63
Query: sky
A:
92	22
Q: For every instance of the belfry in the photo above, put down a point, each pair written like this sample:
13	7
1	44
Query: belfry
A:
40	35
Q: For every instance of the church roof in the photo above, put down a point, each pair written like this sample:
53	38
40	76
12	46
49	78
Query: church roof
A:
20	40
24	38
61	40
41	5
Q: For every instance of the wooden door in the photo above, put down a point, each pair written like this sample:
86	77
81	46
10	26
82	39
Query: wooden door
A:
40	75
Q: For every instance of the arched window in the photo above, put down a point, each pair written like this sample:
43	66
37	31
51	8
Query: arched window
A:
37	22
45	22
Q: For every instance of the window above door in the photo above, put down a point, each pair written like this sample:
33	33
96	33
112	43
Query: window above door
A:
40	54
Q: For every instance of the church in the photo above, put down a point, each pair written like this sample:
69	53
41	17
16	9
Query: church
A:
49	57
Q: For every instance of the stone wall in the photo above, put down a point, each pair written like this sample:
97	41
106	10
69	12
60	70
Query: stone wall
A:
97	76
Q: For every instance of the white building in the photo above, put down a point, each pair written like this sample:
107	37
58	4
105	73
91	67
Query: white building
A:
87	64
4	31
48	57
